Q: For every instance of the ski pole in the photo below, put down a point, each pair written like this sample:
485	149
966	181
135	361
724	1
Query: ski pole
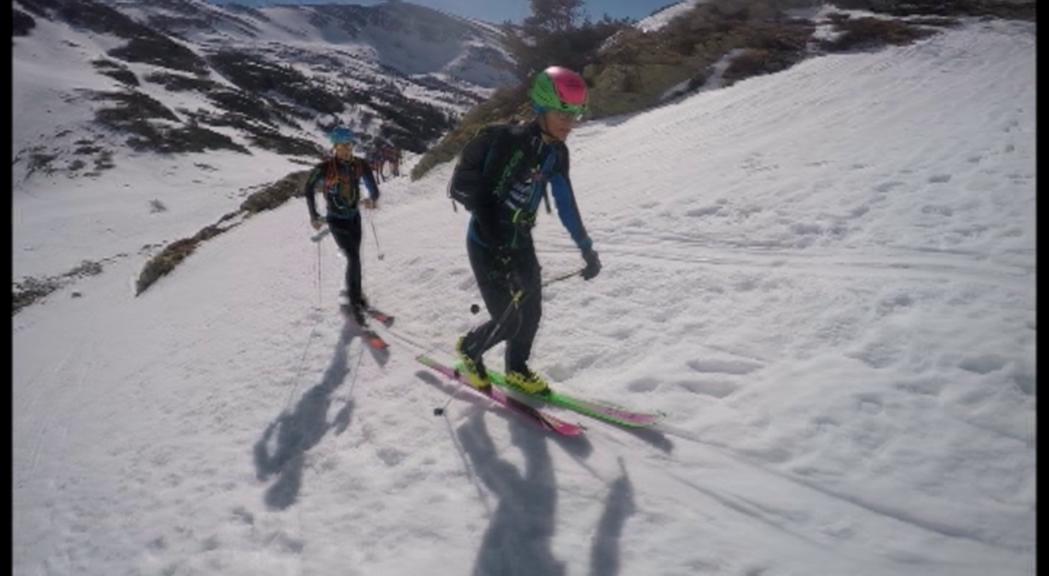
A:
320	300
514	303
376	236
565	276
474	308
317	237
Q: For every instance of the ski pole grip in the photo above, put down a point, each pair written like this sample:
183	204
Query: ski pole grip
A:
317	237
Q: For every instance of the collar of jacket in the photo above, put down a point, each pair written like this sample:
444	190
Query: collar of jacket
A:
535	138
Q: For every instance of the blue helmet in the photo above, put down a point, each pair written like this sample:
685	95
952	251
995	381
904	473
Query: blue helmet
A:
342	135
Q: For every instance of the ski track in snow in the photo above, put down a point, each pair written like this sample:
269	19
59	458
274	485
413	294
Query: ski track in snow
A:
837	318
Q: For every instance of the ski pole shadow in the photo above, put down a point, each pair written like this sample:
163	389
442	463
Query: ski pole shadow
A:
295	432
653	437
604	554
520	532
452	389
578	447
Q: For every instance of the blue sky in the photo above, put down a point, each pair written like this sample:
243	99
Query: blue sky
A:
497	11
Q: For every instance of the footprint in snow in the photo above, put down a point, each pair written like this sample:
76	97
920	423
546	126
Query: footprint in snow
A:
701	212
941	210
887	186
1025	381
870	404
390	457
643	385
737	367
984	364
715	388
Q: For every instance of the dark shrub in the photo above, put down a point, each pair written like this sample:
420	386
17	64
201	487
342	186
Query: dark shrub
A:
116	71
179	83
868	33
161	51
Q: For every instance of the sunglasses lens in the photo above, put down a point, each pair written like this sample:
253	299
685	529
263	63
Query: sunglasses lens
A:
574	115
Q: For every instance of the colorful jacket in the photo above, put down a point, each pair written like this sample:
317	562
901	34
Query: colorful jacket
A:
514	174
341	187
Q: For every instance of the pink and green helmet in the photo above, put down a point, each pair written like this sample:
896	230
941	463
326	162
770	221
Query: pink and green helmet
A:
559	89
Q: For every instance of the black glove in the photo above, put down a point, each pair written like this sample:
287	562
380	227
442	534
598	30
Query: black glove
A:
593	264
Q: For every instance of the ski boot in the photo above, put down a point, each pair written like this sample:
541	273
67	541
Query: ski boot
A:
527	381
357	311
359	316
473	368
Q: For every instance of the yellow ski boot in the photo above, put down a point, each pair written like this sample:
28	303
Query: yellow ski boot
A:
528	382
472	368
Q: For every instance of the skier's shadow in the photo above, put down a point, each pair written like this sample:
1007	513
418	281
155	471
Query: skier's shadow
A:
522	527
518	539
653	437
302	428
604	553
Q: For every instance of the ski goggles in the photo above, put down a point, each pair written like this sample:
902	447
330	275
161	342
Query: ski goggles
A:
573	113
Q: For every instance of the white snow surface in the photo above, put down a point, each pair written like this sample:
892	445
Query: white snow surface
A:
664	16
825	277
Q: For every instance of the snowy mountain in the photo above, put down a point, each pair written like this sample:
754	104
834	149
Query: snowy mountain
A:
824	276
277	77
226	98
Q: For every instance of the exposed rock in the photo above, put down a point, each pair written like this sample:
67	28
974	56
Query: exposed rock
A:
1009	9
276	194
30	290
867	33
255	74
116	71
139	115
21	23
144	43
180	83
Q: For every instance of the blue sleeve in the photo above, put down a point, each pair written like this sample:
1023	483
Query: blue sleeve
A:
310	189
373	190
568	212
369	181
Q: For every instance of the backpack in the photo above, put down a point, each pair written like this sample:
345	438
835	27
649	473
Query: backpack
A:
471	179
468	182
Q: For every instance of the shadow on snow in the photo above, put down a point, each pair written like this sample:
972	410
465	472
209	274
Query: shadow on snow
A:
295	432
520	531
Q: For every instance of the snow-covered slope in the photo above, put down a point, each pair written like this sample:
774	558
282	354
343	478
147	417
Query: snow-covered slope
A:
826	277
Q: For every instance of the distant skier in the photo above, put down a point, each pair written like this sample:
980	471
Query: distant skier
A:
340	175
392	155
503	173
377	160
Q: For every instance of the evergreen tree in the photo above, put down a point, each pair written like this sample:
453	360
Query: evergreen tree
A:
551	16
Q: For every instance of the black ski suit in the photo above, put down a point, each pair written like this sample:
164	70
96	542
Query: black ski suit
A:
342	192
516	166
